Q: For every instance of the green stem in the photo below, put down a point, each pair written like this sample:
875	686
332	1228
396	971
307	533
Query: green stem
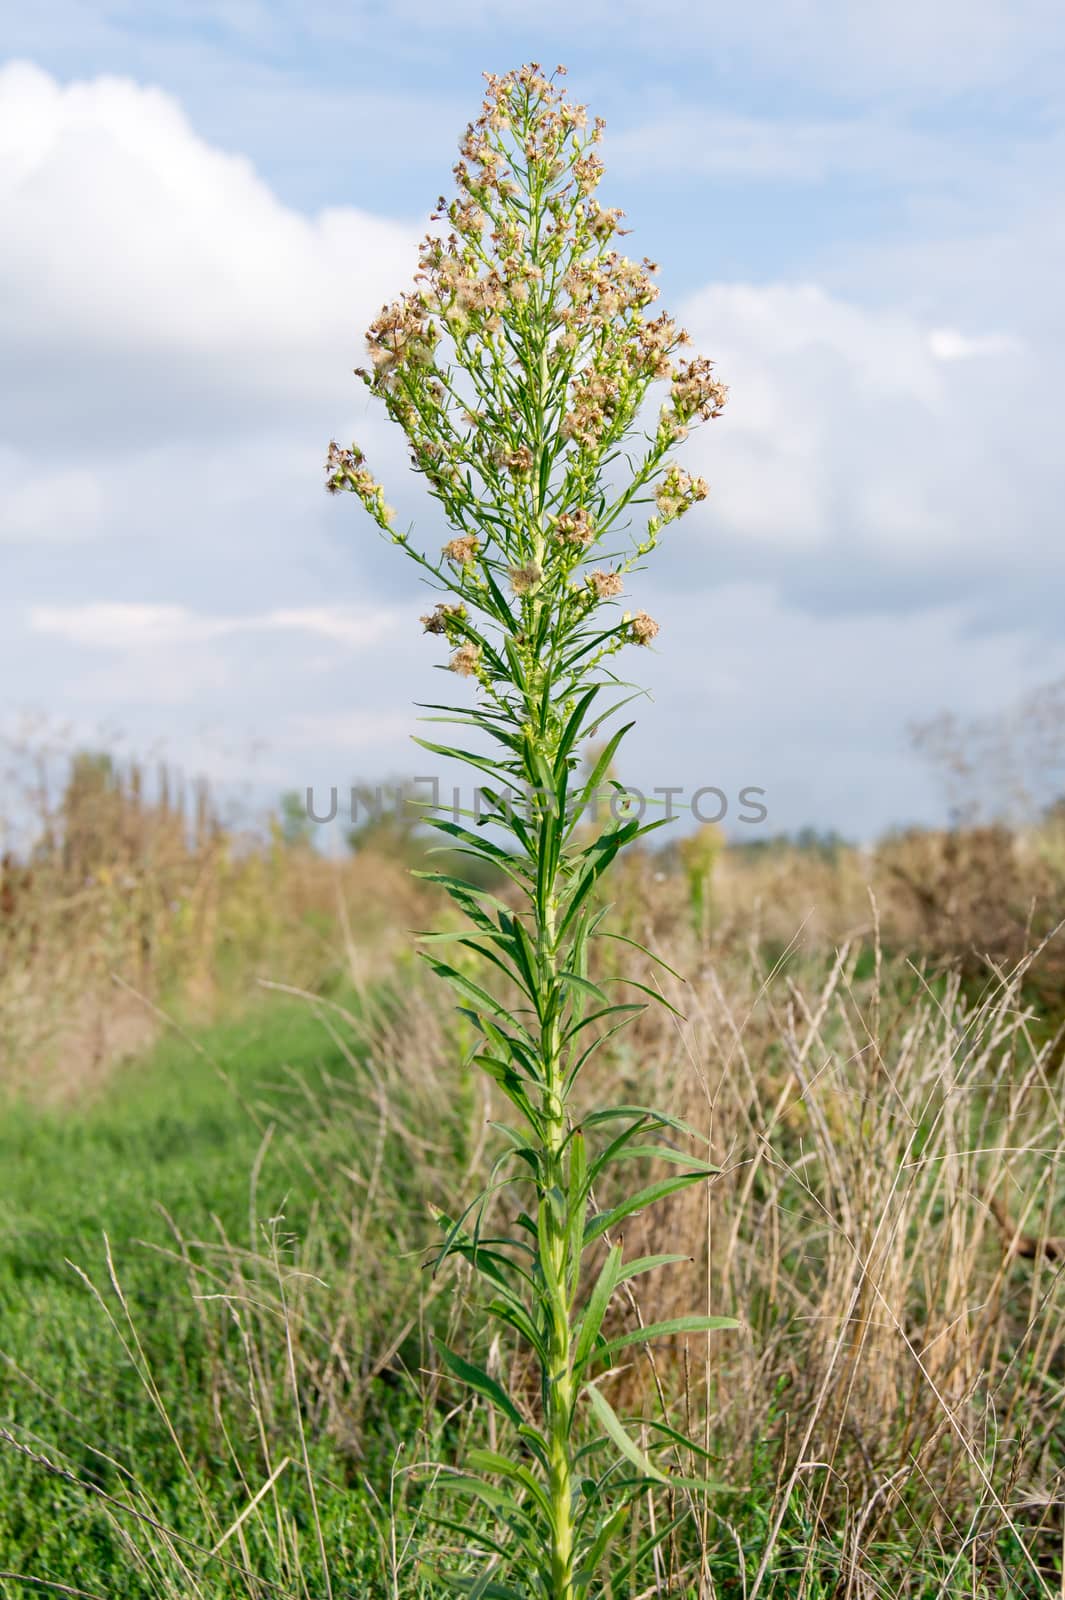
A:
558	1279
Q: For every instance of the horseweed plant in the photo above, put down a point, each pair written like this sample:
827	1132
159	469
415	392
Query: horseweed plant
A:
518	368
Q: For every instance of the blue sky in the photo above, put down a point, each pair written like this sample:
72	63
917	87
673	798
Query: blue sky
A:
859	214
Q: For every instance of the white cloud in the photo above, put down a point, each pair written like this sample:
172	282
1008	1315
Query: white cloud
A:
147	275
871	455
947	344
131	627
749	690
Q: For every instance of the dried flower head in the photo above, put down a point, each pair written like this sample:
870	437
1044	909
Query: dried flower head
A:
443	618
678	492
696	392
642	628
606	585
466	661
518	462
462	552
574	527
523	580
347	470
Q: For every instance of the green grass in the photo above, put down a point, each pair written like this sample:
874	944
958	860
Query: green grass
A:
174	1136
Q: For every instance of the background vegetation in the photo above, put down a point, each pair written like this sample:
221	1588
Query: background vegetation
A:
230	1105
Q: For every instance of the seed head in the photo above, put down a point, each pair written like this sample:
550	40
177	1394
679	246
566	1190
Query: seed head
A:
466	661
642	628
523	580
462	552
443	619
347	470
574	527
678	492
606	585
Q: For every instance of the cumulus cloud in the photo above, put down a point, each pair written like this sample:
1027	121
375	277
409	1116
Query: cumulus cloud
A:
878	462
154	279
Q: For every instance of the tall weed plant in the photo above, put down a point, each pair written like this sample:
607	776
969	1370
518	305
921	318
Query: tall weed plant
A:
520	368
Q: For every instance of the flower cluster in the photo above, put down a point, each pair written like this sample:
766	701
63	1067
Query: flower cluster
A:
347	470
605	585
519	462
466	661
642	628
444	619
524	580
575	528
595	399
518	366
462	552
602	288
696	392
678	492
403	335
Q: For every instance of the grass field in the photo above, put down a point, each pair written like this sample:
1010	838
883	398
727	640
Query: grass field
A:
216	1367
163	1158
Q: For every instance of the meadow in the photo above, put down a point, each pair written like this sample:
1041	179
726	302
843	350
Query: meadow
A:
233	1103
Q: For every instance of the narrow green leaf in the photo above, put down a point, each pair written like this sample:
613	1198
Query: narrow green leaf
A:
635	1562
598	1016
499	1500
598	1301
612	1425
482	1460
680	1439
471	990
641	1264
573	980
590	1558
662	1119
466	1534
602	766
514	1315
621	938
655	994
572	731
661	1330
467	895
477	1379
639	1201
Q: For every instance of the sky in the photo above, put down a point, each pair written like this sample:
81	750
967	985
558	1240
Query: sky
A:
859	216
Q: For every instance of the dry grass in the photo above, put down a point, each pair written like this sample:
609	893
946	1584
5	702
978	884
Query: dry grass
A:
888	1225
133	895
905	1343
